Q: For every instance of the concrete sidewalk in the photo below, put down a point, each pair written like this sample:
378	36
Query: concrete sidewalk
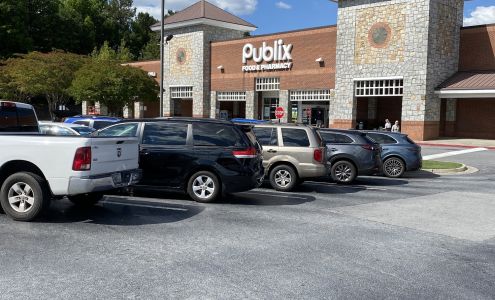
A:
460	143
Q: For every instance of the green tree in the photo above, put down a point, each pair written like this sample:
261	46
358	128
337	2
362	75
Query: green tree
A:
112	84
82	28
43	24
40	74
118	18
140	34
151	50
122	54
14	35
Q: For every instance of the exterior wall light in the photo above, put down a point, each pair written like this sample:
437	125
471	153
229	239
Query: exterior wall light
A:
321	61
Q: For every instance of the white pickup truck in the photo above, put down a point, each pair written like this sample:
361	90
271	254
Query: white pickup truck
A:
34	169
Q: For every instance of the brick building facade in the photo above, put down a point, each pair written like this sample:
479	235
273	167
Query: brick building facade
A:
406	60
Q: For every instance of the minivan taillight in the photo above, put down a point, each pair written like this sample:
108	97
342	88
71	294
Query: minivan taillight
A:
318	155
248	153
82	159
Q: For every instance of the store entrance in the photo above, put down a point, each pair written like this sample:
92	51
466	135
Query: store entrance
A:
183	108
232	109
311	113
268	103
372	111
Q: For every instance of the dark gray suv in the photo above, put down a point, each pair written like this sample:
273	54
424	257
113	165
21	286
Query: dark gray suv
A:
399	152
350	154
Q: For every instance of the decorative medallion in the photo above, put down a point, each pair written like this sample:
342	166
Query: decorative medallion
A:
181	56
379	35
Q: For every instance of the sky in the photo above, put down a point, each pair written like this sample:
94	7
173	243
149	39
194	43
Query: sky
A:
273	16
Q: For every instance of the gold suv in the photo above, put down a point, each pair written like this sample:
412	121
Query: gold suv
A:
291	154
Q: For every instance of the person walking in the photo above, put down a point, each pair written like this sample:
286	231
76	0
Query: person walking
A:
388	125
396	127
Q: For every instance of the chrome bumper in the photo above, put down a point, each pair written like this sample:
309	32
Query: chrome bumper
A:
105	182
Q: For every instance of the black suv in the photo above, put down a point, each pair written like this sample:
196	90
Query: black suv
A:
350	153
203	157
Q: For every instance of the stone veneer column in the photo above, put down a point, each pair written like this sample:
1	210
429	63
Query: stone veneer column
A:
198	104
215	106
251	105
138	109
284	103
101	109
127	112
451	117
168	104
84	107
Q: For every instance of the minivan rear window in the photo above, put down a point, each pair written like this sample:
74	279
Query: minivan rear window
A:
295	137
217	135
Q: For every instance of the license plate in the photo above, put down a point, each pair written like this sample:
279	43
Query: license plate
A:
117	178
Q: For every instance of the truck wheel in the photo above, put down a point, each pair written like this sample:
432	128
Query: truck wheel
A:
203	187
24	196
343	172
283	178
86	200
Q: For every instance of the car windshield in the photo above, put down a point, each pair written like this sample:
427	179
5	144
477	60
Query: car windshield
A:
82	130
125	129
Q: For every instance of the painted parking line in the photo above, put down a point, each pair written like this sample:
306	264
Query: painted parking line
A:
367	187
271	194
453	153
143	206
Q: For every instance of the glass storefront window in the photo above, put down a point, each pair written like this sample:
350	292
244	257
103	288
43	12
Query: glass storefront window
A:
269	106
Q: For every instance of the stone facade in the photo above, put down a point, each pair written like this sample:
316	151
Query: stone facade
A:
251	105
187	63
417	41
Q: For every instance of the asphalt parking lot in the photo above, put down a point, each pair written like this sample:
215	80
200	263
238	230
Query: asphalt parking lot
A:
423	236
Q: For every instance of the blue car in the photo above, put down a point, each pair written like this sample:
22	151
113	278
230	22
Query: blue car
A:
94	122
399	152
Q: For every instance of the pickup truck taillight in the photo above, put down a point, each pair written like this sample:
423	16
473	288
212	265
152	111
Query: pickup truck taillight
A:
82	159
248	153
318	155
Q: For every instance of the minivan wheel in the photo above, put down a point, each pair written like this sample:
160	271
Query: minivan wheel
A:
394	167
203	187
283	178
24	196
343	172
86	200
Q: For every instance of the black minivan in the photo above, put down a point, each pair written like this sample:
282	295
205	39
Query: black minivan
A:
206	158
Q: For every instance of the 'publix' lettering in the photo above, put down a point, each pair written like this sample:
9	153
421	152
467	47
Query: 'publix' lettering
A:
279	52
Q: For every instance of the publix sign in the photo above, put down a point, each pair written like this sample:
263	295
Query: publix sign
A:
267	57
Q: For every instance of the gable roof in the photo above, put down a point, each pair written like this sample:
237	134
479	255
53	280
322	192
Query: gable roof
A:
204	10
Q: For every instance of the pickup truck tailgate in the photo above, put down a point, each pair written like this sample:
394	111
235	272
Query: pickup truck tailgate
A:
113	155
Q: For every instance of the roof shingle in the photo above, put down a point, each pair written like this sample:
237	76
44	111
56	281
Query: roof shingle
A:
479	80
206	10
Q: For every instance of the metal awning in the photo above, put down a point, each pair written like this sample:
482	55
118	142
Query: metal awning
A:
475	84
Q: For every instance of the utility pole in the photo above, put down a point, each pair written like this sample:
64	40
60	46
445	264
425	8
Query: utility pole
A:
162	51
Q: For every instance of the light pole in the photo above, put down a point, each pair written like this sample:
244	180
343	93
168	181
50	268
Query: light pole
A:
162	49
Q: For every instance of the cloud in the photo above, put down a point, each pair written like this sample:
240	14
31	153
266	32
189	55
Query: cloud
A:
283	5
481	15
237	7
